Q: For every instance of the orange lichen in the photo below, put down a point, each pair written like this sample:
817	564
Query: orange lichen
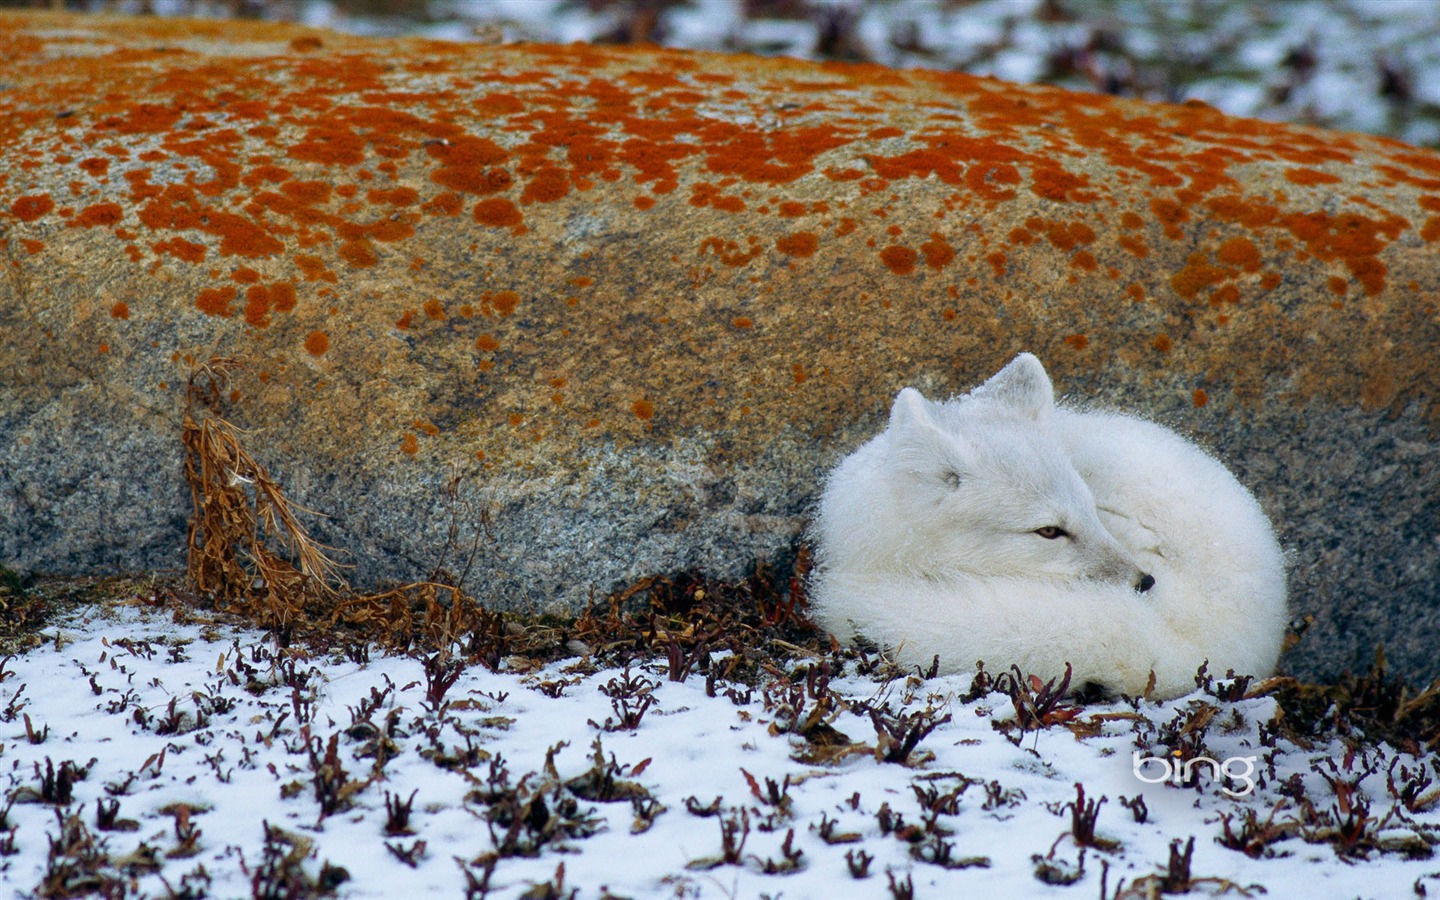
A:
120	310
102	214
216	301
1337	285
317	344
1067	236
444	204
1161	343
1349	237
180	248
704	194
743	322
898	259
359	253
1240	252
433	309
1310	177
998	261
1055	183
487	343
31	207
1200	398
31	246
314	268
546	186
1133	245
400	196
498	212
993	180
503	302
643	409
1249	213
282	296
1197	275
729	252
257	306
241	237
1226	293
1171	214
938	252
801	243
409	444
1369	271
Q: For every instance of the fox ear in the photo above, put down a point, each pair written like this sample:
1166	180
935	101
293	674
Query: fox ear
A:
909	409
918	444
1022	385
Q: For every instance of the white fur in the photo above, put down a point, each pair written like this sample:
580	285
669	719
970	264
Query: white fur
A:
926	543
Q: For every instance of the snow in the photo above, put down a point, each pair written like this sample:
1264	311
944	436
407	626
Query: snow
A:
212	727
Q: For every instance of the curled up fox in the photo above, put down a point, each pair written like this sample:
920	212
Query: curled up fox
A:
999	526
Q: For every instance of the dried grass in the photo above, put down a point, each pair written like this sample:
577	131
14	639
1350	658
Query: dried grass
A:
246	548
249	553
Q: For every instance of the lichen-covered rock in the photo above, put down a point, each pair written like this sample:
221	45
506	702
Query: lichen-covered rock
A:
626	306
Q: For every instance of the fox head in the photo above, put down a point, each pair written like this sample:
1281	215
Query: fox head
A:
981	486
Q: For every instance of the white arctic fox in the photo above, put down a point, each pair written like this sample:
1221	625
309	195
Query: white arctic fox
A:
1000	527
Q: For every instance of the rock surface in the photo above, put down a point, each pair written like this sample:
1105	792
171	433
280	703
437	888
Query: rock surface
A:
627	305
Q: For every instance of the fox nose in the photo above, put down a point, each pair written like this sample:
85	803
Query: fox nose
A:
1145	583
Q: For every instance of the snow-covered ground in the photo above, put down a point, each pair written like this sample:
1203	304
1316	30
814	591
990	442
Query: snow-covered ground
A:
145	756
1361	65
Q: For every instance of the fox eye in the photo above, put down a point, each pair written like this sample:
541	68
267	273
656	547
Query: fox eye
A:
951	478
1051	532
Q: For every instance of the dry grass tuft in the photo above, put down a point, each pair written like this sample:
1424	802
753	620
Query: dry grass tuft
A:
246	548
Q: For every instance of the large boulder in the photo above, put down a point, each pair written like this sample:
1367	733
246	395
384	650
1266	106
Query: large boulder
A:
615	311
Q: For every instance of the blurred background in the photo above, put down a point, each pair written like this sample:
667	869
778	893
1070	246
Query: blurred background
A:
1358	65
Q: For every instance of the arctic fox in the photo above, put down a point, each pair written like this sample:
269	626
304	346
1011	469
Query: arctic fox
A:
1000	527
